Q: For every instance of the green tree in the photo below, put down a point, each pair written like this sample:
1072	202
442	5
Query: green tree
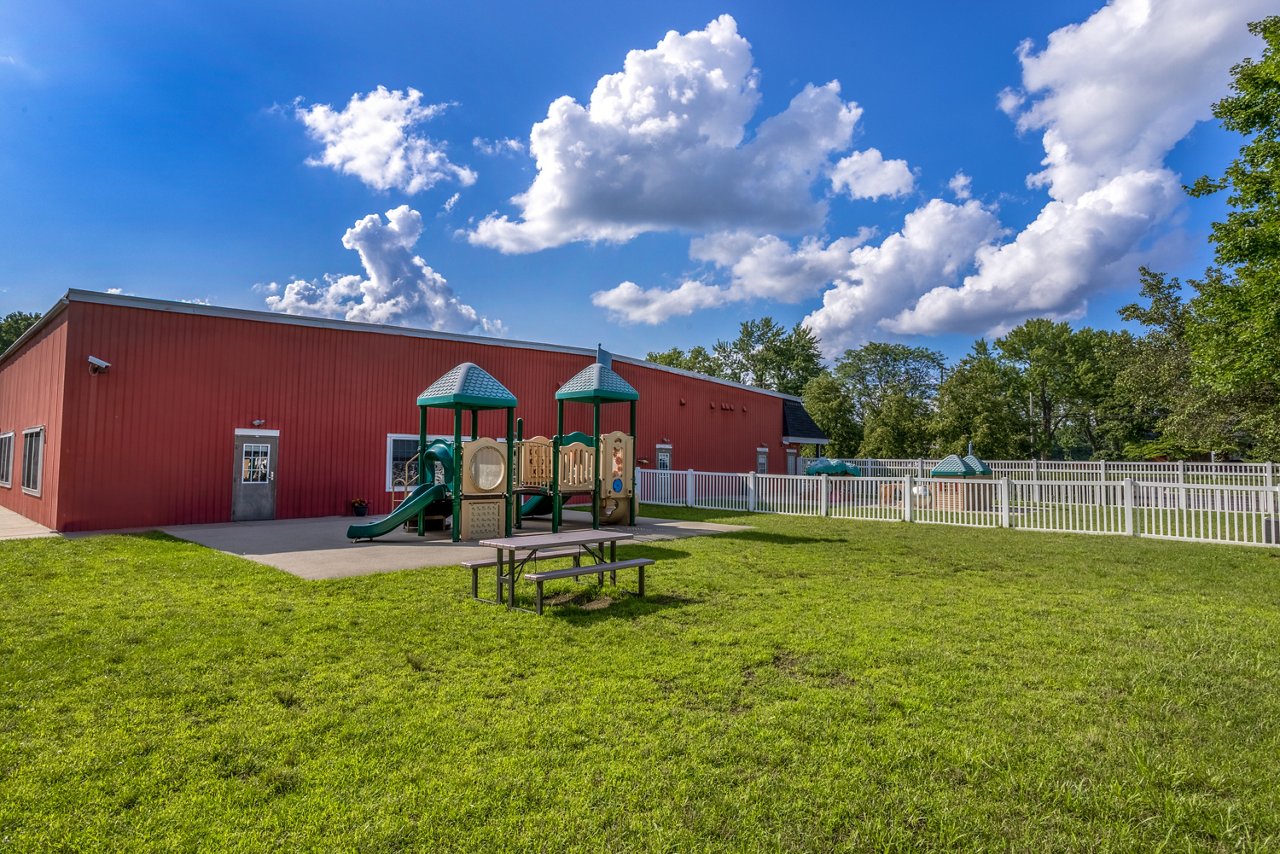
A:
13	325
892	388
982	401
697	360
830	404
1044	354
898	426
1235	317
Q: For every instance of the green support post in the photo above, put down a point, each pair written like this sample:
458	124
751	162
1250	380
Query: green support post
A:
511	446
555	467
457	475
475	424
422	458
631	512
595	479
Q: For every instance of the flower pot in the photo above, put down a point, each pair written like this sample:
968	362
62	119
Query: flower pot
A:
361	510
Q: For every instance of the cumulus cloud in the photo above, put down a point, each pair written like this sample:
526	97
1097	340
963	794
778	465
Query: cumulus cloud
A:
661	145
507	145
961	186
1111	95
398	287
867	175
759	267
372	138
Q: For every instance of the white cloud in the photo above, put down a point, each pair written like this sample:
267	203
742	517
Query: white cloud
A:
961	185
936	245
398	286
1112	95
451	201
492	147
867	175
372	139
759	267
660	146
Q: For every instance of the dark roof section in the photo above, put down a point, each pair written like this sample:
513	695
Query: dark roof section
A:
77	295
799	427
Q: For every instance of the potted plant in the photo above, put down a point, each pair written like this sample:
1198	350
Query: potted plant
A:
359	506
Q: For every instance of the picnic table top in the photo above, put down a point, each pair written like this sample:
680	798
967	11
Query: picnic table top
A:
564	538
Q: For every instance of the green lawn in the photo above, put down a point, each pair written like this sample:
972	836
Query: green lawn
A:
812	684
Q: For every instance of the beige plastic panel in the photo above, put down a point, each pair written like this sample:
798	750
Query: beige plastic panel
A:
617	465
483	518
484	468
577	468
535	462
613	511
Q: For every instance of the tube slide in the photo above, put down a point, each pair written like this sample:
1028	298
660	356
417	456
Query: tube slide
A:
418	500
538	505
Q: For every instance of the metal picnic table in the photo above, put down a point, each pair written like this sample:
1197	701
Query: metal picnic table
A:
592	543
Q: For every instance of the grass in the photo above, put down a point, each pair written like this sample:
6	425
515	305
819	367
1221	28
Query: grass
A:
811	684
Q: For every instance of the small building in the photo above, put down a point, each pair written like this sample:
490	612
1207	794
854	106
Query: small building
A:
957	494
122	412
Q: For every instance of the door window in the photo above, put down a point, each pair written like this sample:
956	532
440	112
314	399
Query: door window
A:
762	460
664	459
255	464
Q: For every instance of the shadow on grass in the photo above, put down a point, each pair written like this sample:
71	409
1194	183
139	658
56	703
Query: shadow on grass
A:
590	606
777	539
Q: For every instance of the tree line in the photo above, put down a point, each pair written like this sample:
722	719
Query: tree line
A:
1200	377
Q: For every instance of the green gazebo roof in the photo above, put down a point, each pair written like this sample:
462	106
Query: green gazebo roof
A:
954	466
977	465
597	384
468	386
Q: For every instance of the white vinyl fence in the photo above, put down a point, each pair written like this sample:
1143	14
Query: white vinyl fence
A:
1197	512
1232	474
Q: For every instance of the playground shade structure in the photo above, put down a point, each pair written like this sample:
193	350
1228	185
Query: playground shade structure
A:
833	467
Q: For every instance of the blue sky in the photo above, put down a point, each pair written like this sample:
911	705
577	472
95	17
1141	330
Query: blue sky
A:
866	168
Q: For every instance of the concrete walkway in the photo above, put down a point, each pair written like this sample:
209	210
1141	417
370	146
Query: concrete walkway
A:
15	527
318	548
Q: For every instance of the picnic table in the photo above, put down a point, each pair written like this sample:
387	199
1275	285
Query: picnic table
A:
513	553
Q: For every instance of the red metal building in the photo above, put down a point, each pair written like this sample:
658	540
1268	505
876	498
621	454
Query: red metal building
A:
121	412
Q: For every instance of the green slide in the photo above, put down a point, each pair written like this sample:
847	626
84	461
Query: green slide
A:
418	500
538	505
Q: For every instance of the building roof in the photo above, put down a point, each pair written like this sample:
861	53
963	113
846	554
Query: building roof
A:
955	466
977	465
597	384
798	427
467	386
173	306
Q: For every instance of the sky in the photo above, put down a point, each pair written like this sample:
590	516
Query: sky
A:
644	176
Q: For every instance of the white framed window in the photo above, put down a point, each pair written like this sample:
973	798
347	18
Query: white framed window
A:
662	457
762	460
6	459
255	464
32	459
402	468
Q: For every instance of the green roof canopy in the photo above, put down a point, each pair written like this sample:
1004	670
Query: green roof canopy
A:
468	386
597	384
977	465
954	466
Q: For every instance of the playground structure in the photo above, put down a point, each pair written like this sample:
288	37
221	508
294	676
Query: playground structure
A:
480	489
953	495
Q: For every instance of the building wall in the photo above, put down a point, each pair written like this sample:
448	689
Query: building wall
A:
151	441
32	383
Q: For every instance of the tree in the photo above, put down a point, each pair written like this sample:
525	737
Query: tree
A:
764	354
982	401
830	404
891	388
697	360
13	325
1235	317
1044	353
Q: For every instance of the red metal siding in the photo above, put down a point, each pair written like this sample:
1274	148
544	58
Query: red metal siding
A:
151	441
31	395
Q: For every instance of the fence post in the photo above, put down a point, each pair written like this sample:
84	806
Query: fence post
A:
689	492
751	491
1270	475
1128	508
1035	475
1003	494
1182	482
1102	470
919	468
823	502
908	511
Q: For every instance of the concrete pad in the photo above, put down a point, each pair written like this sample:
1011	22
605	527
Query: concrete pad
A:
15	527
317	549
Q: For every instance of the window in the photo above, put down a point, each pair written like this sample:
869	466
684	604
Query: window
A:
32	459
402	463
663	457
6	459
255	464
762	460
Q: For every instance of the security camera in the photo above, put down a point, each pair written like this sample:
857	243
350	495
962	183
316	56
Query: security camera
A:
97	366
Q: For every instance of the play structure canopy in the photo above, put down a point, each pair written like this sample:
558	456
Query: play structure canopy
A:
957	466
467	386
597	383
822	465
